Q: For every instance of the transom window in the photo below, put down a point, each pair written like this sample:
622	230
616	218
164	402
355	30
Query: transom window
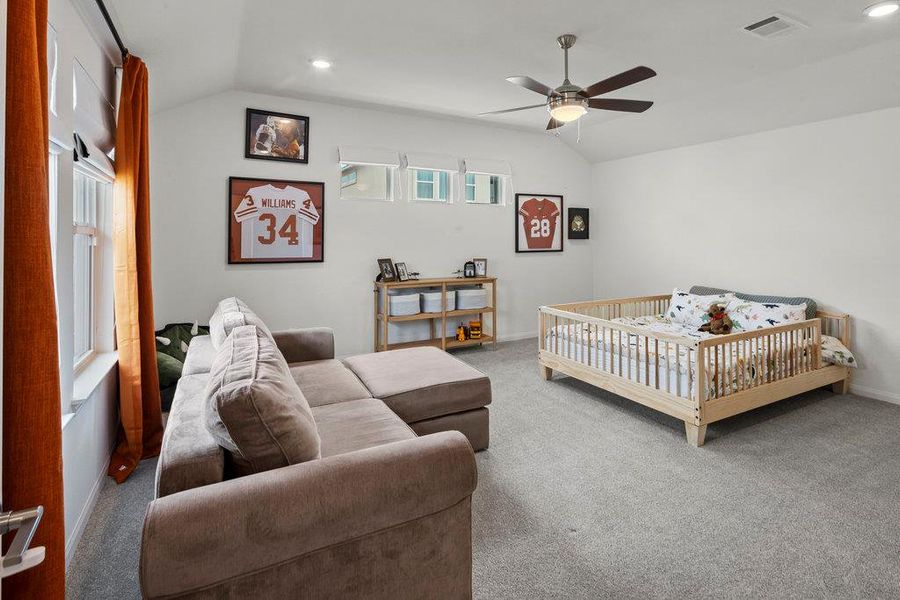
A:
367	182
483	189
432	186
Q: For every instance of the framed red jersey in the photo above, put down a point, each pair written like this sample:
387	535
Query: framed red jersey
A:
539	223
273	220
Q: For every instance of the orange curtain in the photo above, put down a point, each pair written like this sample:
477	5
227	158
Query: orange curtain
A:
140	435
32	420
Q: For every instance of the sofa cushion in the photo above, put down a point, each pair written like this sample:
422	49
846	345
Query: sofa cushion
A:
421	383
358	424
327	381
254	409
199	356
230	313
190	456
811	306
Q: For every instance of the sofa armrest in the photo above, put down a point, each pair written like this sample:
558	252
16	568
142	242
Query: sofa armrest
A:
301	345
196	538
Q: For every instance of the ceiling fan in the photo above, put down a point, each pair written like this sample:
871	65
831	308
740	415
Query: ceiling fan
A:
569	102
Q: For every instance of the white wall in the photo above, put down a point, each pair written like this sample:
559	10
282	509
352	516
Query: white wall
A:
195	147
88	433
811	210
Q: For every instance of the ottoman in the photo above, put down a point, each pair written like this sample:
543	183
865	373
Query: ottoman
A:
429	389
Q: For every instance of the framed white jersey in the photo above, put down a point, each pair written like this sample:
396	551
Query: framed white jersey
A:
275	221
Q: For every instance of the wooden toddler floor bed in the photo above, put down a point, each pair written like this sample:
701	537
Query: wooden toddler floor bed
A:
699	381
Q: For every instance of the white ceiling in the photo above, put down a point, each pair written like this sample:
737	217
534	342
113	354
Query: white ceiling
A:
451	58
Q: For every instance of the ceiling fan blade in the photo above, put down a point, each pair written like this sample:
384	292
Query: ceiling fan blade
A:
619	81
634	106
531	84
509	110
554	124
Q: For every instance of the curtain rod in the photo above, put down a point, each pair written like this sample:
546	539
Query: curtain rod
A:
112	28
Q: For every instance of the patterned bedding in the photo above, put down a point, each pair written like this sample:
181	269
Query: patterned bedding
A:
740	369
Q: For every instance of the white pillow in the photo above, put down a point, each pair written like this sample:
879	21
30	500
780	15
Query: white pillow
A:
230	313
691	310
748	315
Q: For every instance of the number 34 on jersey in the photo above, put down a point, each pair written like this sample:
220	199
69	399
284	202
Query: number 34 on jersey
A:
276	222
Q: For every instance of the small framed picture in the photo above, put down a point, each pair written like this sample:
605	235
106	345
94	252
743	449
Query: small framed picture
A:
402	273
275	221
539	223
277	136
386	270
579	224
480	267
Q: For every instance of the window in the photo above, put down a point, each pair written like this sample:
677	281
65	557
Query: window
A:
428	185
368	173
368	182
89	191
483	189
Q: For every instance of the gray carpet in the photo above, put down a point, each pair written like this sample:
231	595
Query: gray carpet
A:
586	495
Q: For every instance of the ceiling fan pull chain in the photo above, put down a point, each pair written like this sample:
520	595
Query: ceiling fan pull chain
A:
578	139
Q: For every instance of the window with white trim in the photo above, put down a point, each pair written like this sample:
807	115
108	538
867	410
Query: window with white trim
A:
487	181
91	191
429	185
483	189
368	173
367	182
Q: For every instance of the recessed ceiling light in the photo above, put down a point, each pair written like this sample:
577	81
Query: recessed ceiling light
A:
882	9
321	63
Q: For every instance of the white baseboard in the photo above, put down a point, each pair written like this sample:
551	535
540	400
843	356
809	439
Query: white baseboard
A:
883	395
84	517
517	336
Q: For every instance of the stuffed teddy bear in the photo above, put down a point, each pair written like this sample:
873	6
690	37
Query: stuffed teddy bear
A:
719	322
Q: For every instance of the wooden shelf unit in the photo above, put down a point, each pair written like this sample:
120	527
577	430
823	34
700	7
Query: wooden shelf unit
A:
438	320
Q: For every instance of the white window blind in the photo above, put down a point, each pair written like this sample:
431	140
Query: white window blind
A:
369	156
488	167
95	121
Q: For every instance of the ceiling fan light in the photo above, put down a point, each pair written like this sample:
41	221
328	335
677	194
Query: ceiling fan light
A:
566	112
881	9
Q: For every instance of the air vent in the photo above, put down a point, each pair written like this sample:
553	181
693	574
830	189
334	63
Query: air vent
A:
776	25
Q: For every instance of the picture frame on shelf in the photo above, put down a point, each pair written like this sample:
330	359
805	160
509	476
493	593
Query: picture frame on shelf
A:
275	220
480	267
539	223
469	269
386	271
276	136
579	223
402	272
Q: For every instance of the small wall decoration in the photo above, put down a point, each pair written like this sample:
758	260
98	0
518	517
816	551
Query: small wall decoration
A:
480	267
275	220
579	224
277	136
402	273
539	223
386	270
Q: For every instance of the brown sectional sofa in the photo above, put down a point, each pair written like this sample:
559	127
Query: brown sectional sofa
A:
382	513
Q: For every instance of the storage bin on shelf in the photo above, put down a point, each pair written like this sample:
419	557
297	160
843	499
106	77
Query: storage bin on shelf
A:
403	305
470	298
431	301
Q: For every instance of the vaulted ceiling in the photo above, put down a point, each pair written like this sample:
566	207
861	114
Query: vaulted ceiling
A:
450	58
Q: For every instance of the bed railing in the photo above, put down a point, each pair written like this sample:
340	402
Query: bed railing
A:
609	346
583	333
836	325
737	362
